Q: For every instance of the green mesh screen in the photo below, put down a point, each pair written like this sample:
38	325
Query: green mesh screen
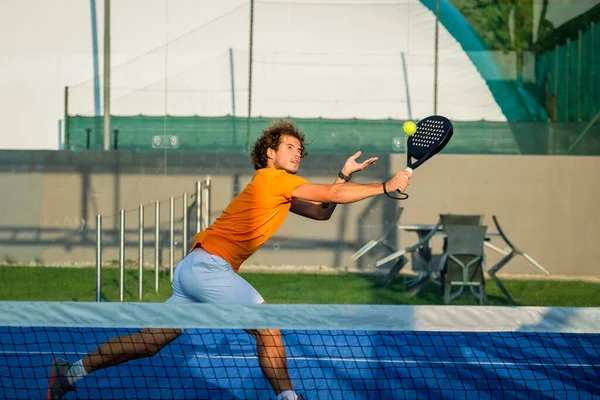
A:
567	70
228	134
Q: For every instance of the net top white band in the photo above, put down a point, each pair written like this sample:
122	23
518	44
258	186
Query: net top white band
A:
322	317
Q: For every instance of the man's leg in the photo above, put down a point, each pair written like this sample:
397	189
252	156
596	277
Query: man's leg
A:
211	279
118	350
121	349
146	343
272	358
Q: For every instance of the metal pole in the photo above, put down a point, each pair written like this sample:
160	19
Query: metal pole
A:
98	258
592	69
435	63
404	68
171	235
567	73
198	208
88	135
121	254
579	48
116	141
106	75
556	58
156	244
66	122
250	47
185	224
141	253
60	137
231	73
95	54
206	203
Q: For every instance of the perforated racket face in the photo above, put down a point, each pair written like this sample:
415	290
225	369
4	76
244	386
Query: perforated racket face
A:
432	135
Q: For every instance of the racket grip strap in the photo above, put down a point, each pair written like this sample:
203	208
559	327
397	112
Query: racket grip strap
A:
404	196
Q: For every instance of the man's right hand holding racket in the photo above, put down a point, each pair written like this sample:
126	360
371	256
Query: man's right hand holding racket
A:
399	182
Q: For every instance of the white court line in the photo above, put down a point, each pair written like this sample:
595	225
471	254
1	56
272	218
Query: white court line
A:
336	359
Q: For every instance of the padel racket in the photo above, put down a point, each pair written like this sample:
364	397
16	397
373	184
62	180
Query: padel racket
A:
432	135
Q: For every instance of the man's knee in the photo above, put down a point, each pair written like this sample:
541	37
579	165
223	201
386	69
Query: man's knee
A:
266	336
252	332
156	339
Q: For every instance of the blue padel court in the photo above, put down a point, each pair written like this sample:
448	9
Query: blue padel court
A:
222	364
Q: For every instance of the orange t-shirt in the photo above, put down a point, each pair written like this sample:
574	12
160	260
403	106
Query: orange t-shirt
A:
251	218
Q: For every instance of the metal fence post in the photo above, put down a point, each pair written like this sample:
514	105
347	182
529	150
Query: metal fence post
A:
141	253
156	244
198	209
206	203
185	224
121	254
98	258
171	235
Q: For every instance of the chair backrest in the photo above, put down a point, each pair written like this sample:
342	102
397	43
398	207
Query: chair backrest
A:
460	219
465	239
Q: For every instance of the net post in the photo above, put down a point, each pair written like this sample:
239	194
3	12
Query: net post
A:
141	253
156	243
185	223
198	209
121	253
206	203
98	258
171	235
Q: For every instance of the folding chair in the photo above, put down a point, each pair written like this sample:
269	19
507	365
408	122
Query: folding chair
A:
429	266
463	261
508	255
392	226
424	252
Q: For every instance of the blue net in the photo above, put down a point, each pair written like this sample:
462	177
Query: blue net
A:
524	353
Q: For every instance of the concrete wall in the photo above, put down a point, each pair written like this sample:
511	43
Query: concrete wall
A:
49	200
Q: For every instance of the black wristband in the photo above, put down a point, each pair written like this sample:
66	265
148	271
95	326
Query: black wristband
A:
347	178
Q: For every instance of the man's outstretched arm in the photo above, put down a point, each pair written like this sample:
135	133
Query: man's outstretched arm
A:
350	192
323	210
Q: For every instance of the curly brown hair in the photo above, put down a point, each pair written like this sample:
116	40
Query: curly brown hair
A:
271	138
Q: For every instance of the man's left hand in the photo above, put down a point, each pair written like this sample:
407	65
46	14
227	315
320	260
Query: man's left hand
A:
351	166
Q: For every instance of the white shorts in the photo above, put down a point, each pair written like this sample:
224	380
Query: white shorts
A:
204	278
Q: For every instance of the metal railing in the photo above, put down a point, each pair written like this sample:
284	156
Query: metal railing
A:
203	208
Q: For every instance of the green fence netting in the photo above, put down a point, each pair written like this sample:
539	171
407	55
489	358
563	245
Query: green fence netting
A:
229	134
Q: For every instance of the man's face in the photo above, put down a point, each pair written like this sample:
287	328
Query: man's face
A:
287	156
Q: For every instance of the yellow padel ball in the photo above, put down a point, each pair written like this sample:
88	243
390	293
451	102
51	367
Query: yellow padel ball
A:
409	128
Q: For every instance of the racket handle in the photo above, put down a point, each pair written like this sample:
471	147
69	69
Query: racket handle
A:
409	170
